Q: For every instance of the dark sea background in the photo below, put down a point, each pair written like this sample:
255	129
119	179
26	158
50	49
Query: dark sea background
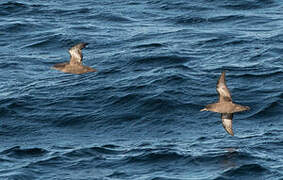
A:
139	116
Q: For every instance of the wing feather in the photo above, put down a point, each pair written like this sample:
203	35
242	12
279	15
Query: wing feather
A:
227	122
223	91
76	53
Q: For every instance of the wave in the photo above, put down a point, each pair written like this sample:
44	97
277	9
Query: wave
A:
144	157
236	19
149	156
165	178
16	8
117	174
268	109
111	17
12	7
244	171
18	153
150	45
44	40
160	60
19	26
178	6
92	152
247	5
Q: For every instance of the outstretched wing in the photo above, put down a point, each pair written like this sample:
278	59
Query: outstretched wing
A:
227	122
223	91
76	53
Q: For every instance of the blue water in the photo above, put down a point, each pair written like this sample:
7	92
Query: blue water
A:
138	117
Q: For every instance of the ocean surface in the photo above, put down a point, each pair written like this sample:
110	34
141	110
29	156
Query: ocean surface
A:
139	116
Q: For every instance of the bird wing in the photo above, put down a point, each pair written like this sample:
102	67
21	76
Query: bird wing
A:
223	91
76	53
227	122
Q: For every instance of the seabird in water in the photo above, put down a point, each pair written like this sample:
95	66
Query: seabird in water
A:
225	106
75	66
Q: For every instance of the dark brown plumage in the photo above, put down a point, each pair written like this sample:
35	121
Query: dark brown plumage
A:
74	66
225	106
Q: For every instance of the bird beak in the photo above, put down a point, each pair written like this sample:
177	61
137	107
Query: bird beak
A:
203	109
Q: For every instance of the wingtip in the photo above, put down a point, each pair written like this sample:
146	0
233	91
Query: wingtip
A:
230	132
223	73
80	45
85	44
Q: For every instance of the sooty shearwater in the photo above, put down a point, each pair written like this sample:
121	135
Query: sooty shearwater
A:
225	106
75	66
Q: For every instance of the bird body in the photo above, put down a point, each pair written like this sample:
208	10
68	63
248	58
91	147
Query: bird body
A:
73	69
225	107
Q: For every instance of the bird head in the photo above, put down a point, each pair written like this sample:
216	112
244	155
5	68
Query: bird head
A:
242	108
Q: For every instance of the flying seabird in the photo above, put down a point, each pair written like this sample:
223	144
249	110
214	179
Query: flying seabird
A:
74	66
225	106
